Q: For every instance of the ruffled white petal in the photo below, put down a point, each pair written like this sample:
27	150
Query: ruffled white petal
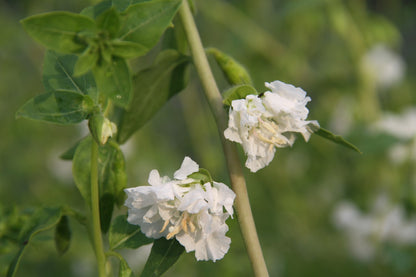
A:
187	168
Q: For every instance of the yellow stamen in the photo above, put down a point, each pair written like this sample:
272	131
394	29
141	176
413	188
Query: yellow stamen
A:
164	226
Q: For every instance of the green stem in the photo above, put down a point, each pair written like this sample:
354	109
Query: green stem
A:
238	184
95	210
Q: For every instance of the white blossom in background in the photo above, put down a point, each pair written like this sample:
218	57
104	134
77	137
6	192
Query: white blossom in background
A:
386	67
263	123
185	209
385	222
403	127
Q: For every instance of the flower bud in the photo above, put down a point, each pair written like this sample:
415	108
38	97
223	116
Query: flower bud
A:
101	128
235	73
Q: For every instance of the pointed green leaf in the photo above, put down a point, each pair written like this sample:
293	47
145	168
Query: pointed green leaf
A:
125	235
68	155
144	23
127	49
124	269
86	61
237	92
111	176
235	73
42	220
97	9
109	21
163	255
335	138
121	5
153	88
114	80
60	31
58	74
59	107
203	175
62	235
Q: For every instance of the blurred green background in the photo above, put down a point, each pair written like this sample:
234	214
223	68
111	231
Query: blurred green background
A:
356	60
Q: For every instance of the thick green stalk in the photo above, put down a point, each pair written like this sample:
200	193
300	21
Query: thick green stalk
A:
238	183
95	211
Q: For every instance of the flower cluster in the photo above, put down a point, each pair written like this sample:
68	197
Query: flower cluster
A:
191	210
262	123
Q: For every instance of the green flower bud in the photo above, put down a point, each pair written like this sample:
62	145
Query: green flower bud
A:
235	73
101	128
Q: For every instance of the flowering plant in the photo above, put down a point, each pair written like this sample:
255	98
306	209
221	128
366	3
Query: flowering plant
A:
89	75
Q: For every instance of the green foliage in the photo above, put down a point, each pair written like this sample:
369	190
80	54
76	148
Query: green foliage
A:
62	235
111	176
235	73
42	220
163	255
144	23
153	88
60	107
109	21
124	269
125	235
335	138
237	92
203	175
114	81
61	31
59	74
86	61
128	49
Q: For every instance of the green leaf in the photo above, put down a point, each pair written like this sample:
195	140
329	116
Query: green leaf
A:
59	74
121	5
60	31
86	61
237	92
163	255
62	235
125	235
235	73
203	175
335	138
111	176
127	49
154	86
124	269
109	21
43	219
144	23
59	107
96	10
114	80
68	155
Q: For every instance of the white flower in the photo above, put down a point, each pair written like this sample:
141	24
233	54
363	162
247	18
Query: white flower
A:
386	67
401	126
262	123
385	222
183	208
